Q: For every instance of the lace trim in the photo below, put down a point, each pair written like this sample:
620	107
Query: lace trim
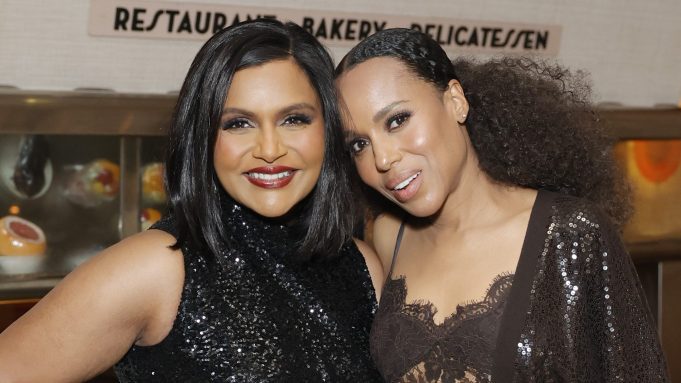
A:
463	344
425	310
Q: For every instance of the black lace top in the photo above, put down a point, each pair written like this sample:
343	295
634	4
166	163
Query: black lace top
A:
572	312
459	348
263	317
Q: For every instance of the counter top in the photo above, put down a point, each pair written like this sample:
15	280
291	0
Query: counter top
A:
26	289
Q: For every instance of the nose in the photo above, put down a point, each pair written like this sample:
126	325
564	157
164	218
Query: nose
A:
385	154
269	146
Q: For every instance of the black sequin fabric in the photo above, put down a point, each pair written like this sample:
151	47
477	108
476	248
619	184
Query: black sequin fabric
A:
262	316
575	313
586	317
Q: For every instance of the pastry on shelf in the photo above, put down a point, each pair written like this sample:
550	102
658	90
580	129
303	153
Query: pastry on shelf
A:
148	217
152	183
93	183
19	236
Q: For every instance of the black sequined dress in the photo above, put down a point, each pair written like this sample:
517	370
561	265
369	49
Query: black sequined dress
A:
572	312
262	316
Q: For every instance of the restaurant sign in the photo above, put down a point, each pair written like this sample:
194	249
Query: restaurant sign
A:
176	20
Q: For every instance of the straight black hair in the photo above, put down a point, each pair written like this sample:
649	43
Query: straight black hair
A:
196	195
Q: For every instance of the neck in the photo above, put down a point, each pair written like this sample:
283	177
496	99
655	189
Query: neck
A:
477	201
474	199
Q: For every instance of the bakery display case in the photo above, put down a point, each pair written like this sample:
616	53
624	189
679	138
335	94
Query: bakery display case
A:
78	172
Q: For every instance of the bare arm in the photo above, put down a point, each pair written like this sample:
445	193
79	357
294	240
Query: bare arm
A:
127	294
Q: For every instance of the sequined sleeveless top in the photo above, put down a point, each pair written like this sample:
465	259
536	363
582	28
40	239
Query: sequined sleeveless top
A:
263	317
573	311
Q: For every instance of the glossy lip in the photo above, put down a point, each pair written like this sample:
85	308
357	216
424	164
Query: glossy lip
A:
394	181
410	190
274	183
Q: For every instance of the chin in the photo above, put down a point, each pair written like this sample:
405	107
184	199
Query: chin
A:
420	209
271	211
420	213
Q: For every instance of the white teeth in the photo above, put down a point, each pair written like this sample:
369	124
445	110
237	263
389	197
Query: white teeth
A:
406	182
269	177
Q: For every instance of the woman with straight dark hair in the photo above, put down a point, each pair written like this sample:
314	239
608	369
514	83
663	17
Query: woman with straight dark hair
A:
500	244
254	275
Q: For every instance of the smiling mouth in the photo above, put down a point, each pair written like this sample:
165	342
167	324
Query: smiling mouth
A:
406	182
270	177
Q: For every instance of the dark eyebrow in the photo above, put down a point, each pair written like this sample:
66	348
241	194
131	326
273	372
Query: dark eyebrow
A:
381	113
302	105
286	110
238	111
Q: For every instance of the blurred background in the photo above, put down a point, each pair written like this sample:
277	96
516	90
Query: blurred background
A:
87	88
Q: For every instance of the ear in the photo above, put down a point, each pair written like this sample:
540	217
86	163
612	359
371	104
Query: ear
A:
455	97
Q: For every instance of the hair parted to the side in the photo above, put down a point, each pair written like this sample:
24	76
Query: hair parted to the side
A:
194	191
531	122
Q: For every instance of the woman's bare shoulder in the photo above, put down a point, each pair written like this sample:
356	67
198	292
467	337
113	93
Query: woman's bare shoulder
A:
127	294
146	264
148	252
145	260
386	227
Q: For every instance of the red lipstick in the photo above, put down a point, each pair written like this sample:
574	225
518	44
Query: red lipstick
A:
270	177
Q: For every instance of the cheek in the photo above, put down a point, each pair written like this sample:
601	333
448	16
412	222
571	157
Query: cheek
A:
367	170
420	140
421	137
229	150
440	143
310	145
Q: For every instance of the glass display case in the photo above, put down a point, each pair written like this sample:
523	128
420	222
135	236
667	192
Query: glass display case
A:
78	172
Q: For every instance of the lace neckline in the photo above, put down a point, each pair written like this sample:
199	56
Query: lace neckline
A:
466	310
425	311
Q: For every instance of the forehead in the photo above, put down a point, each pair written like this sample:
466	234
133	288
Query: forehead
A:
375	83
375	70
275	81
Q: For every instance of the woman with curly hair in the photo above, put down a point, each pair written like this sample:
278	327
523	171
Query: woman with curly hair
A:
501	247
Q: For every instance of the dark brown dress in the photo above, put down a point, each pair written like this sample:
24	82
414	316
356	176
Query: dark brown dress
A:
571	312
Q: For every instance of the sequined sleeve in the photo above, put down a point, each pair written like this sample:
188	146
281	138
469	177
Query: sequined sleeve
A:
586	320
629	344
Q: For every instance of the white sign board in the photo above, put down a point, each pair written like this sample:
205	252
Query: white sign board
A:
174	20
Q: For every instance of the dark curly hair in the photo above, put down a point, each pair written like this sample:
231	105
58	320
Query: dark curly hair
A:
531	122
